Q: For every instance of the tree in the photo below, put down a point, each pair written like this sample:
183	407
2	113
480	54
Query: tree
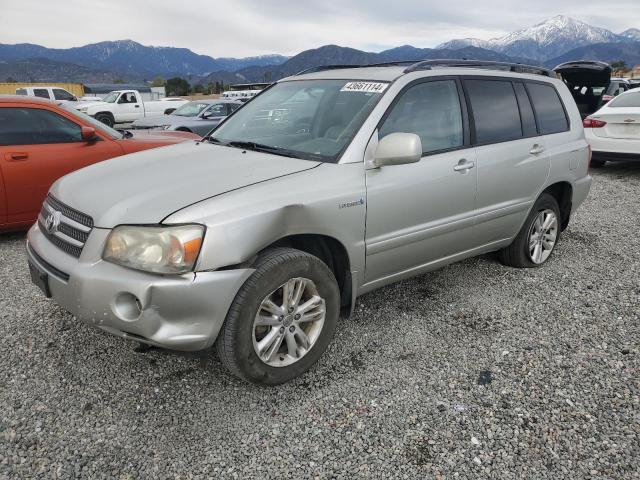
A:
11	80
619	65
158	82
199	88
177	87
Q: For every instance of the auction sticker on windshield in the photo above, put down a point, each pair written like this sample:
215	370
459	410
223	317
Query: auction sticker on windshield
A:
368	87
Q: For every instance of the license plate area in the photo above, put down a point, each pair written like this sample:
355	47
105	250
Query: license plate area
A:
40	279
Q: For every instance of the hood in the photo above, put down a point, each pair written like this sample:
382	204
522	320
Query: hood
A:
161	136
83	105
146	187
153	121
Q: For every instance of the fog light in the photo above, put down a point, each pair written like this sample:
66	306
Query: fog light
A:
127	307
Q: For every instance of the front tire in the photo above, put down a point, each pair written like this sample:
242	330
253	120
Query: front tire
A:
282	318
105	118
538	236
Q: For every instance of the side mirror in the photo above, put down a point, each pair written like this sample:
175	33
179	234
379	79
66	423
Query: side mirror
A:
88	134
398	149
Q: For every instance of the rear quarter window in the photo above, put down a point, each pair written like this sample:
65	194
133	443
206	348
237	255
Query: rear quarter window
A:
549	109
21	91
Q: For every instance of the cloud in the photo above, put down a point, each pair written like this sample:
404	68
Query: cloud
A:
255	27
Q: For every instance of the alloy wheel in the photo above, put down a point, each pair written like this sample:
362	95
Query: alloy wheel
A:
543	236
288	323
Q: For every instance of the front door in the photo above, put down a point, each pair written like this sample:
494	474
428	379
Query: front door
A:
420	213
38	146
129	108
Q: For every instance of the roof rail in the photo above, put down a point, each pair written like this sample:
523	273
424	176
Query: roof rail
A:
508	66
322	68
416	66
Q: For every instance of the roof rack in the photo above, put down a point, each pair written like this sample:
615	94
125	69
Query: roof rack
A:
507	66
416	66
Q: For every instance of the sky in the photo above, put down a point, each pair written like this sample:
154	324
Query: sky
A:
239	28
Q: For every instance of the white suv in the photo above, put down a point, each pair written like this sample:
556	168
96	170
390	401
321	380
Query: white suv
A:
327	185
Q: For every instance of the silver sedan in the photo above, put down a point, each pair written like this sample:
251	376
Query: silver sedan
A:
199	117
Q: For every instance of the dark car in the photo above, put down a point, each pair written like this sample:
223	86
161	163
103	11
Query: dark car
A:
591	84
198	117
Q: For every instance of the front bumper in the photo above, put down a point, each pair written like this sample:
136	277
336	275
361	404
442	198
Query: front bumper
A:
183	312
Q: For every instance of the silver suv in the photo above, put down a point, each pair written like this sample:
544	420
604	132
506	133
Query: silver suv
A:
326	186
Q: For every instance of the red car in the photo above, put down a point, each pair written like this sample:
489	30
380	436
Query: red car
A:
40	141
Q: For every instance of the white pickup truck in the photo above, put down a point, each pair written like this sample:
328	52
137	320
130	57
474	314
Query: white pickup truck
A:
125	106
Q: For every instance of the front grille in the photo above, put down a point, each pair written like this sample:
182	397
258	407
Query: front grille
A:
72	228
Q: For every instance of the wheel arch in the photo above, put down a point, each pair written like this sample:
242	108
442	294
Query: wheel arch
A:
332	252
563	193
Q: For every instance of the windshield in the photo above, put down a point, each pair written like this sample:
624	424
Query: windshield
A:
111	98
309	119
104	129
191	109
626	100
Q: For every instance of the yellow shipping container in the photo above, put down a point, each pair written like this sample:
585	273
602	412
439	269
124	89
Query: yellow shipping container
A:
10	88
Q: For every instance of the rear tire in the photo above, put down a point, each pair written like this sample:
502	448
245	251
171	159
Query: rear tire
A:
535	242
260	312
105	118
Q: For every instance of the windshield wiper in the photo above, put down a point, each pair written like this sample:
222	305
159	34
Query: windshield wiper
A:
260	147
214	140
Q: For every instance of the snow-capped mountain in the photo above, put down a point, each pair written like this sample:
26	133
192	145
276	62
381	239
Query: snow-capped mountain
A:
632	34
549	39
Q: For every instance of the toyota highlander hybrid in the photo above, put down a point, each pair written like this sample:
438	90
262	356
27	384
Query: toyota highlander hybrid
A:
326	186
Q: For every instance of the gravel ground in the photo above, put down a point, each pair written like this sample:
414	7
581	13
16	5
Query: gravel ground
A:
473	371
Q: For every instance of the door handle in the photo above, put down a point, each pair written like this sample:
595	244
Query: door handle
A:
464	166
536	149
16	156
137	106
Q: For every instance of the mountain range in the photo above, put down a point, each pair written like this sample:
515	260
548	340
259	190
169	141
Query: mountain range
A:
556	40
133	58
547	40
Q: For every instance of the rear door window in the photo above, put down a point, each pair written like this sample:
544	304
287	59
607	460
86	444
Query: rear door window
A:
494	109
548	108
41	92
432	111
32	126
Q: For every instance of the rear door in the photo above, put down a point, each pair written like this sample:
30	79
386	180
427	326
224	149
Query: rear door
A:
423	212
38	146
512	160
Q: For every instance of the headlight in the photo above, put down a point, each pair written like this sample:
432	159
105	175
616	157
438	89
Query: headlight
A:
155	249
83	109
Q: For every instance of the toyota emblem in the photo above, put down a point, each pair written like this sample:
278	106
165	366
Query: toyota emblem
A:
52	222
